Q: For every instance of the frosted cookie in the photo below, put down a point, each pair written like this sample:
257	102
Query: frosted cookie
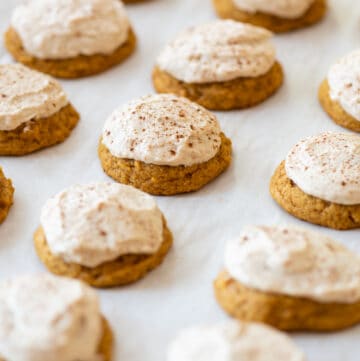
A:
221	65
164	145
34	111
339	93
70	39
319	181
105	234
45	317
233	341
275	15
6	195
290	278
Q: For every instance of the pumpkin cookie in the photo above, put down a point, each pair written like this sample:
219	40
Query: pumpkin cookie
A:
275	15
222	65
54	318
319	181
105	234
233	341
164	145
339	94
34	111
86	37
290	278
6	196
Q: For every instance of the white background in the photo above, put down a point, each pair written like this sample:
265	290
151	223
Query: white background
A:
148	314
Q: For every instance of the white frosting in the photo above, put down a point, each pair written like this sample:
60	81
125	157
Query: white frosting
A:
294	261
327	166
288	9
219	51
233	341
163	129
49	318
68	28
27	94
96	223
344	83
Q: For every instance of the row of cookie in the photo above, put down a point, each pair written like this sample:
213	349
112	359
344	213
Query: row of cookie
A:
220	65
108	234
165	145
89	36
276	15
286	277
54	318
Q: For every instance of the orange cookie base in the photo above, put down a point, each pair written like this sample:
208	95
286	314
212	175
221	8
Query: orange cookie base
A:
283	312
165	180
6	196
311	209
234	94
335	110
77	67
124	270
38	134
106	343
227	10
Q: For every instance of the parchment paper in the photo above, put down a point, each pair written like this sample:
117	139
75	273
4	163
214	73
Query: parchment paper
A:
148	314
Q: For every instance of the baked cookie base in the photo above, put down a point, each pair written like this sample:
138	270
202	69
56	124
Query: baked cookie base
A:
77	67
6	196
124	270
133	1
311	209
227	10
37	134
234	94
165	180
106	343
335	110
283	312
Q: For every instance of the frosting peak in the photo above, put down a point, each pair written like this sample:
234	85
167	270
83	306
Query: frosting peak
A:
27	94
96	223
219	51
68	28
288	9
344	83
49	318
296	262
327	166
233	341
162	129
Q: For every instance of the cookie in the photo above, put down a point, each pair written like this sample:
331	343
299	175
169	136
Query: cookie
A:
291	279
69	49
319	181
221	65
6	195
35	113
311	209
296	15
86	250
60	320
339	92
163	145
232	340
